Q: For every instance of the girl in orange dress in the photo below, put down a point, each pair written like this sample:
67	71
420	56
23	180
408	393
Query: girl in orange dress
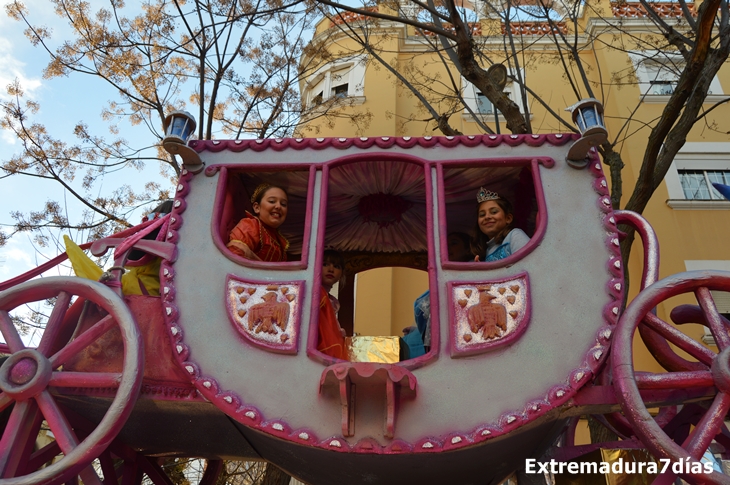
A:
331	339
257	236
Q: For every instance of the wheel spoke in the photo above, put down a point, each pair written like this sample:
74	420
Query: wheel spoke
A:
58	423
43	456
7	328
23	422
82	341
107	468
701	437
89	477
692	347
5	401
714	321
132	474
154	471
54	323
86	379
213	470
674	380
665	479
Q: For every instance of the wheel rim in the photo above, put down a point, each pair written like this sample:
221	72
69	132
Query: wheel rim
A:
27	376
625	379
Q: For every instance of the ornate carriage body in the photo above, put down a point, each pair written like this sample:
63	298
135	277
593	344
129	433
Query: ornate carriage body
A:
232	367
558	293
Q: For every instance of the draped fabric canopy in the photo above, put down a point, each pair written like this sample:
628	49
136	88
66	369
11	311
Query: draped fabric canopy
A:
380	206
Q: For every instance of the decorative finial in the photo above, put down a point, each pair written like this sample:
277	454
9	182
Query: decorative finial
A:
484	195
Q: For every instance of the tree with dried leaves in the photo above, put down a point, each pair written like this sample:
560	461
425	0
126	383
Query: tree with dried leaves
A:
234	64
450	40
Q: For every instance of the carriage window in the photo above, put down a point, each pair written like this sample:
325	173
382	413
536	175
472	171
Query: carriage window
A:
282	236
376	220
461	187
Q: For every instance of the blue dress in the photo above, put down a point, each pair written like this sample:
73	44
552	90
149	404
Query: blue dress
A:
514	241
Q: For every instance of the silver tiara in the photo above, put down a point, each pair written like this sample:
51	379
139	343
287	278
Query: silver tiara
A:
484	195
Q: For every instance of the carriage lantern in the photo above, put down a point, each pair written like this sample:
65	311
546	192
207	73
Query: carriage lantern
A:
588	115
178	126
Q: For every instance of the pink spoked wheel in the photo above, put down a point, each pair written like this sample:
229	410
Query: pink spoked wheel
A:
31	380
716	372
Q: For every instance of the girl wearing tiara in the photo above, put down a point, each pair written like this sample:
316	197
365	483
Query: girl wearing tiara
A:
495	238
257	236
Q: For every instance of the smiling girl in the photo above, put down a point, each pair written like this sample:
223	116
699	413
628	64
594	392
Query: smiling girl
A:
257	236
495	238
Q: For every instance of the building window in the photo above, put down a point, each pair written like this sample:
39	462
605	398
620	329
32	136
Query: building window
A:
479	104
658	72
484	106
695	168
337	80
340	91
697	184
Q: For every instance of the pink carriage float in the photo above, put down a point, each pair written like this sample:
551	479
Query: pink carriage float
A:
191	373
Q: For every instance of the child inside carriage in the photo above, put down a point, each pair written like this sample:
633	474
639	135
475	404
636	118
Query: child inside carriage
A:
494	237
257	235
331	339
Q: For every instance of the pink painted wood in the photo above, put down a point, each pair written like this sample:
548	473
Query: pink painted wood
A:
626	381
27	380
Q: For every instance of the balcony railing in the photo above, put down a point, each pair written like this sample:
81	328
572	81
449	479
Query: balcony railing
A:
637	10
535	28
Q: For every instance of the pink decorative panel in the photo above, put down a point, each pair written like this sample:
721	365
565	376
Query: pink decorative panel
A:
265	313
488	314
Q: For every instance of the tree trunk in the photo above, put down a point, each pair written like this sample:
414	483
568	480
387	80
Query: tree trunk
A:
275	476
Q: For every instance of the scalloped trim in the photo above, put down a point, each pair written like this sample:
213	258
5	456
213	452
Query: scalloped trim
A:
232	404
279	144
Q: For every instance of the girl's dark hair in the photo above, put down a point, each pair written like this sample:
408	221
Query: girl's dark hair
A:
261	189
335	257
479	239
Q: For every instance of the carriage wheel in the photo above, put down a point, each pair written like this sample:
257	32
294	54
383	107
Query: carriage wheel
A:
716	373
30	379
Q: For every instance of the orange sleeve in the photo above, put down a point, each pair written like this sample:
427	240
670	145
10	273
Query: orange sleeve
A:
246	232
331	341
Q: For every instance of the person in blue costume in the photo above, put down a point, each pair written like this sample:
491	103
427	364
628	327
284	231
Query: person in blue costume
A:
495	238
457	244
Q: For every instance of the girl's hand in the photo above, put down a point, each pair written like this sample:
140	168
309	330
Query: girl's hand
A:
476	258
250	254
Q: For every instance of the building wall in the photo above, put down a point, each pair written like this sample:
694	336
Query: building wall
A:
684	234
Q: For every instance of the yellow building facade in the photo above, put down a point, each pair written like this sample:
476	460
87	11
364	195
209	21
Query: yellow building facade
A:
367	98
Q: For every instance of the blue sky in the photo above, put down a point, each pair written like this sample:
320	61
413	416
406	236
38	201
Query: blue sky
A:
64	102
